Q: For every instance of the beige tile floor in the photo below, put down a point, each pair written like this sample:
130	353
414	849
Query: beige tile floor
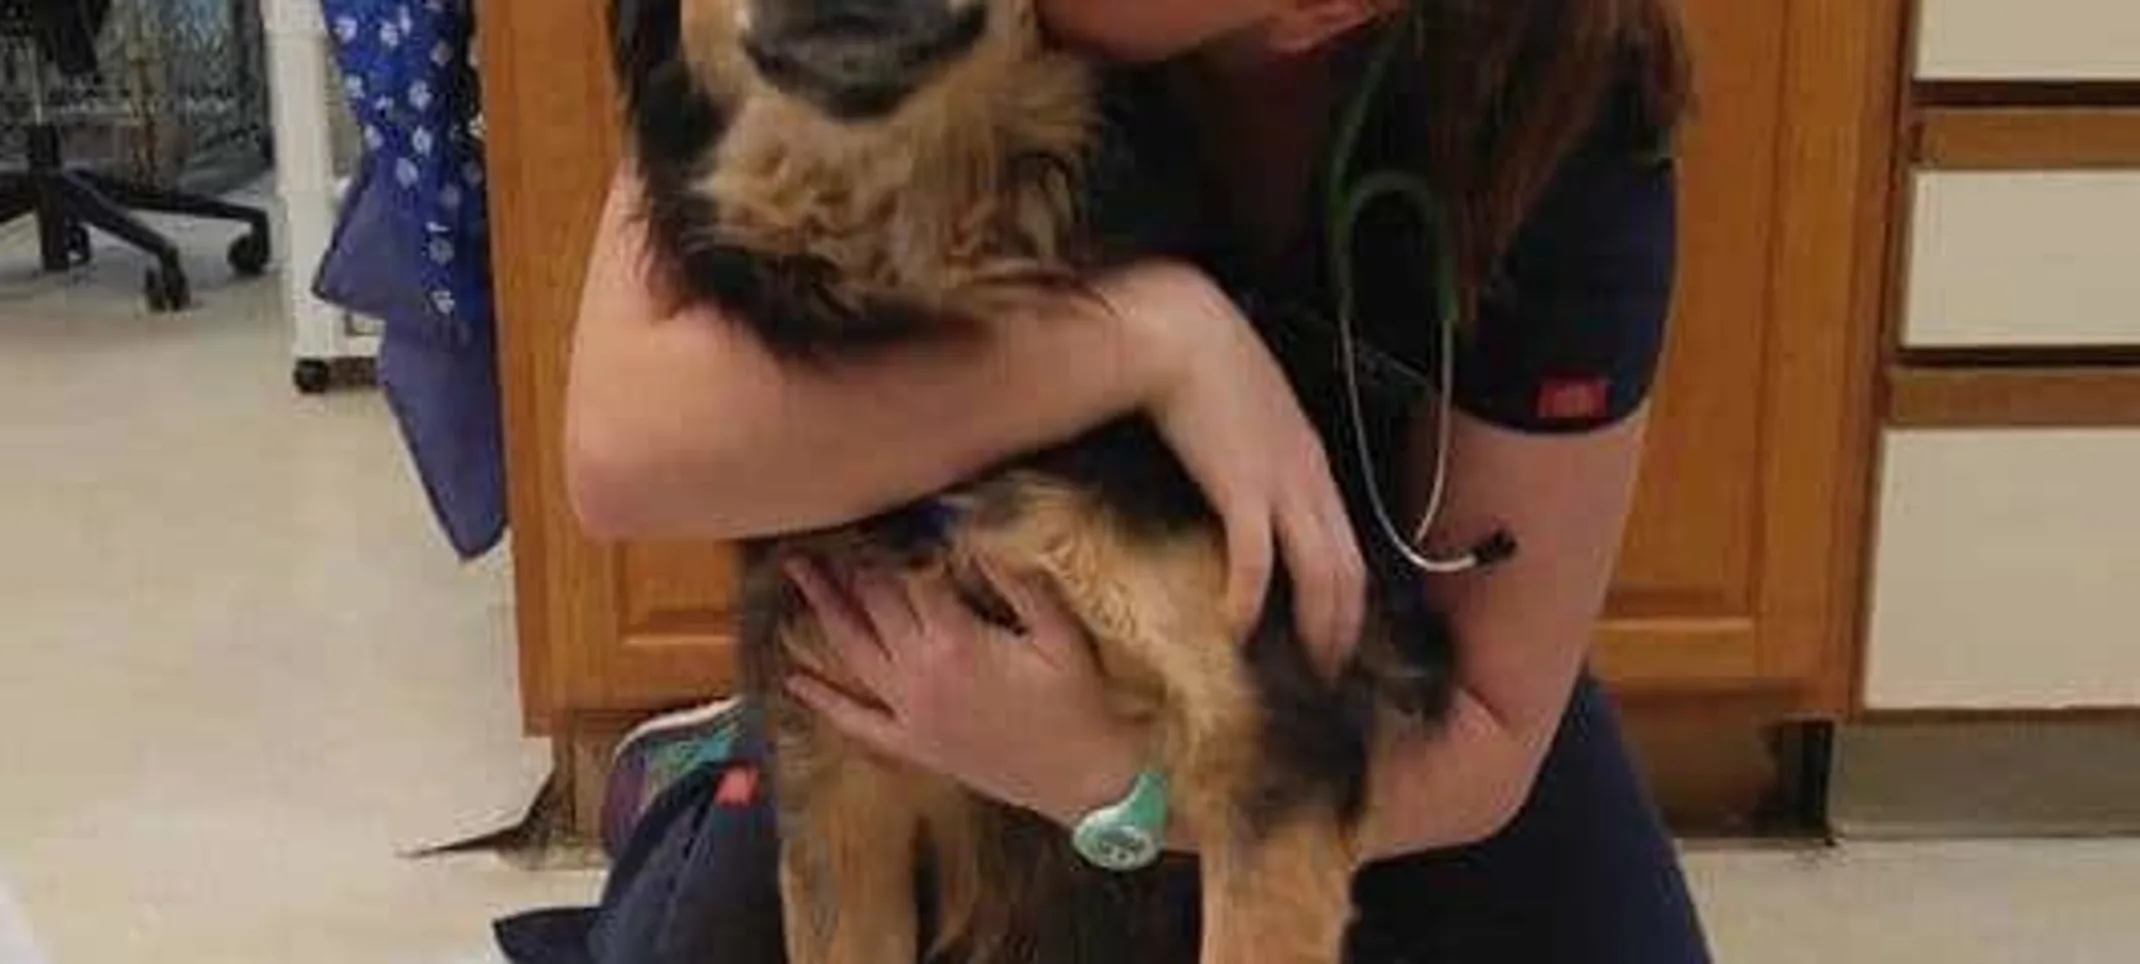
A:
239	673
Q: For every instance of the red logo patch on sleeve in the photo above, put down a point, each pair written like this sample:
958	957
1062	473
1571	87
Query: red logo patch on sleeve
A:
738	788
1571	399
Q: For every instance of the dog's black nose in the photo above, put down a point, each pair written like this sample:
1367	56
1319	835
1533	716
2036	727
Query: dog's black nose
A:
859	58
884	19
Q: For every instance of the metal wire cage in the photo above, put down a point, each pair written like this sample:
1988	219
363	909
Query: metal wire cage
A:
180	98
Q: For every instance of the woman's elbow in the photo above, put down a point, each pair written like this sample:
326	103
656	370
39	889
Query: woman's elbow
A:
1505	789
609	478
660	424
628	475
1497	808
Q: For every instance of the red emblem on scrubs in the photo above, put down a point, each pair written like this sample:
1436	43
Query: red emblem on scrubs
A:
1572	399
738	788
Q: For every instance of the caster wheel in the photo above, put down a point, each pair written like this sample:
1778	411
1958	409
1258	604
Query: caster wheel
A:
77	244
249	255
167	290
312	376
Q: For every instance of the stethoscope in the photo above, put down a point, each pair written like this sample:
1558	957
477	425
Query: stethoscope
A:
1344	205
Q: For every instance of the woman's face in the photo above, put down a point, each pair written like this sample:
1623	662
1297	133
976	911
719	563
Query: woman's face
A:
1159	29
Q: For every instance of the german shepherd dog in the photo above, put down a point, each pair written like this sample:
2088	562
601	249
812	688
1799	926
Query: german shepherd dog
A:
845	174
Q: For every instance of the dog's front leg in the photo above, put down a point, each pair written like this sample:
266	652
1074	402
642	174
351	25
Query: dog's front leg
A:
1281	898
847	868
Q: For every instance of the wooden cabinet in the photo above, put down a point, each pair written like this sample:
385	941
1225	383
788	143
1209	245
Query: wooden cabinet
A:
1740	569
604	629
1739	572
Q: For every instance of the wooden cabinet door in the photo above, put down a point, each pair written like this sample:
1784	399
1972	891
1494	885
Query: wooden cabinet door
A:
1740	568
602	627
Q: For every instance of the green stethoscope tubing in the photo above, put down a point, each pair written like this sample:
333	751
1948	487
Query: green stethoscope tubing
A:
1346	202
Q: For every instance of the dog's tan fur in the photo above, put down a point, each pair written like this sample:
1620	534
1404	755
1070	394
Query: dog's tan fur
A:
936	206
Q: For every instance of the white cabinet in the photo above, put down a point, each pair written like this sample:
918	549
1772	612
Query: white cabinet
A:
2007	571
2024	259
2028	40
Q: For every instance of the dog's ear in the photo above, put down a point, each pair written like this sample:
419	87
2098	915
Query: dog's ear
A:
642	35
668	119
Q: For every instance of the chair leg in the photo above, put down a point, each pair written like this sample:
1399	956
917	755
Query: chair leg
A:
59	230
17	197
60	238
143	198
85	202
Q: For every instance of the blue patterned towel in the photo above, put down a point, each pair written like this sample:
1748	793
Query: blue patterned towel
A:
410	246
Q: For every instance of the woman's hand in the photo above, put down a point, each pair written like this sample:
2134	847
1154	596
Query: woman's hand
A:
1231	417
1023	719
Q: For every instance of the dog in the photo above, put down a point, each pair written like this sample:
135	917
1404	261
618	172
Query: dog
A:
841	175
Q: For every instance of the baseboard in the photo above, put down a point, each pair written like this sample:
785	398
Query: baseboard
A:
2003	778
1738	770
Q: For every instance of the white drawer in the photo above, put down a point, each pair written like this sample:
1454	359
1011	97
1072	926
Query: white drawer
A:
2006	572
2005	259
2028	40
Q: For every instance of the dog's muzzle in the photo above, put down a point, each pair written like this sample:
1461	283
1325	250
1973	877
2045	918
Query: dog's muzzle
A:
861	67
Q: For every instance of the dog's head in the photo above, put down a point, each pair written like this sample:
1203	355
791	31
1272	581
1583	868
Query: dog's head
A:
857	60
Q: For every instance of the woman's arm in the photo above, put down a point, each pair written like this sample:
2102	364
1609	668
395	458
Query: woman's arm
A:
681	424
1524	626
1546	440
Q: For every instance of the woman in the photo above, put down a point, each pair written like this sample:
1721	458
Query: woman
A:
1519	834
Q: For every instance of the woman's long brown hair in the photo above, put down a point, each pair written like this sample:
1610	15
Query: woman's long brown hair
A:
1509	86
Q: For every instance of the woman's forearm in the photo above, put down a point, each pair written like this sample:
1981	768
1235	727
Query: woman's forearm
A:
691	429
681	424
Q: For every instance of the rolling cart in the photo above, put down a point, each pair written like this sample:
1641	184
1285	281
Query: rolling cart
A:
310	176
